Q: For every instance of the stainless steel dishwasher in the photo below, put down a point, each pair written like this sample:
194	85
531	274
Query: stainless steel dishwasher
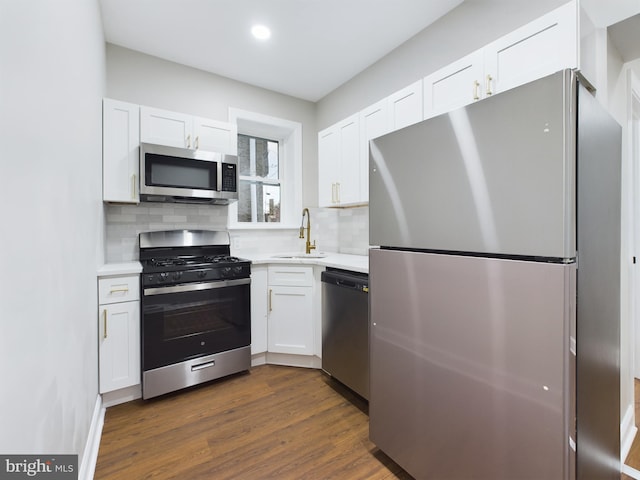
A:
345	328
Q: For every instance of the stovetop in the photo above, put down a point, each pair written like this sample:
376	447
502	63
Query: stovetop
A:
189	261
175	257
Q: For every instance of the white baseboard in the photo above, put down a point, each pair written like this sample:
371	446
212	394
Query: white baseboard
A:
632	472
628	432
90	455
259	359
127	394
305	361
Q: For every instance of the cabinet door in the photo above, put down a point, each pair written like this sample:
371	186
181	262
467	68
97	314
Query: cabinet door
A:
166	128
215	136
259	291
454	86
540	48
120	151
405	106
290	320
119	333
328	161
348	191
374	121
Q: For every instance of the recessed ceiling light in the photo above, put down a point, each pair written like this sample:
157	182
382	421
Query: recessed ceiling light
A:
261	32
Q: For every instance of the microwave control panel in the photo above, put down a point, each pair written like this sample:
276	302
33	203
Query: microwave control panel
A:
229	177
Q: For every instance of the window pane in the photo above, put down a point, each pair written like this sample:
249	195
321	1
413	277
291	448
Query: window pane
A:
258	157
258	202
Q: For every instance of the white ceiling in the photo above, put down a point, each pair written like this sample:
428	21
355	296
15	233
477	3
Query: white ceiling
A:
316	45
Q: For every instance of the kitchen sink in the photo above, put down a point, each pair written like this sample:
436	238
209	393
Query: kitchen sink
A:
300	255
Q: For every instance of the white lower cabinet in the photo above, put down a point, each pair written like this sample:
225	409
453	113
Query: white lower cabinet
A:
290	309
258	309
119	332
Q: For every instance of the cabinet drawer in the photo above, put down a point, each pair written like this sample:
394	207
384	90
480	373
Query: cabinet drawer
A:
118	289
286	275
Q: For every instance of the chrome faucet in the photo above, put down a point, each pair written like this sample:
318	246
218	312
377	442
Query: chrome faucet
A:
308	246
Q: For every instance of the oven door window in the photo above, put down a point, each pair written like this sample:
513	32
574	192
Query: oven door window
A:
185	325
167	171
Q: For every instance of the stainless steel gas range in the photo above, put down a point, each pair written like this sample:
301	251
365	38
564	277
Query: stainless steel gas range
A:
196	309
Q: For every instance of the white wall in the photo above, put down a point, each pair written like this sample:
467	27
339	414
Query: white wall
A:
138	78
52	77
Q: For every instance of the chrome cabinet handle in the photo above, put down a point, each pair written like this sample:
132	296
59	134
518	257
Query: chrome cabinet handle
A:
133	186
270	306
489	79
189	141
338	192
476	85
104	317
197	143
333	193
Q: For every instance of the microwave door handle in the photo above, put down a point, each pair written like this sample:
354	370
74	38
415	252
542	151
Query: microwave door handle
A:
219	179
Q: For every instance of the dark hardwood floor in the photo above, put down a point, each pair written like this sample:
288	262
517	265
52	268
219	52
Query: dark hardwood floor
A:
272	423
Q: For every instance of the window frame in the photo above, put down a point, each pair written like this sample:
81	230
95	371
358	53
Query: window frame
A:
289	136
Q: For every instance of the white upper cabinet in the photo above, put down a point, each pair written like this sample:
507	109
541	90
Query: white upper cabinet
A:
455	85
328	165
175	129
120	151
539	48
216	136
405	106
166	128
348	190
375	120
339	164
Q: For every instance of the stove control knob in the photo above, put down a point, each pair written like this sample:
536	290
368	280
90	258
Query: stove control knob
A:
177	275
163	276
150	278
202	273
226	271
237	270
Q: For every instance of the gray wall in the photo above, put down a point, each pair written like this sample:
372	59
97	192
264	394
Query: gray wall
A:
468	27
52	64
138	78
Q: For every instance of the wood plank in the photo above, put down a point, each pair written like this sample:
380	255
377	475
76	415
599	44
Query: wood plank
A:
274	422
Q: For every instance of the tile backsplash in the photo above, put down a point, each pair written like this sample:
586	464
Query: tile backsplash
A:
125	222
334	230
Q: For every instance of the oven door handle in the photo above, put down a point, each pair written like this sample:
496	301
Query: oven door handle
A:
194	287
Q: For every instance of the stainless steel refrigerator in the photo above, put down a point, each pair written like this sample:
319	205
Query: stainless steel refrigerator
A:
495	289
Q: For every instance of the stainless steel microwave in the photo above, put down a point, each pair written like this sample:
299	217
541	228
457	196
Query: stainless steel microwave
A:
169	174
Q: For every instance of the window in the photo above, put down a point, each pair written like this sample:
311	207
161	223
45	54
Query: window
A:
260	179
269	171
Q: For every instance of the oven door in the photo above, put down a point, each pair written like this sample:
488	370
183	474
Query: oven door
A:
192	320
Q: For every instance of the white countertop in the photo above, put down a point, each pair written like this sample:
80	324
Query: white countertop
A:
111	269
355	263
